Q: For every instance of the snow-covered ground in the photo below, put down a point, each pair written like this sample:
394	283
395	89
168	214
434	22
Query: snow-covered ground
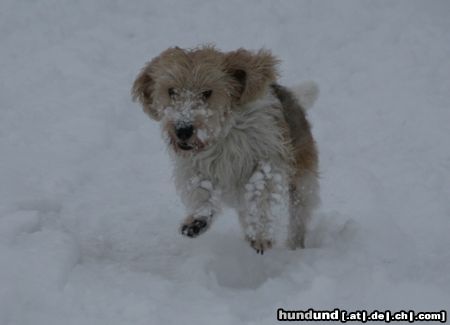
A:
88	212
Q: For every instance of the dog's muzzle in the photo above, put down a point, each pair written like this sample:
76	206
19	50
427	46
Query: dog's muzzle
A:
184	133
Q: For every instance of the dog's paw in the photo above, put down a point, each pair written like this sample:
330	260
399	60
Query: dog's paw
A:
260	245
192	227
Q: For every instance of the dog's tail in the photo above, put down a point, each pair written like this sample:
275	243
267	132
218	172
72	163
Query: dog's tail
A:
306	93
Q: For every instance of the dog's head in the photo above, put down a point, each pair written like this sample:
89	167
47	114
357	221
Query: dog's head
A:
193	93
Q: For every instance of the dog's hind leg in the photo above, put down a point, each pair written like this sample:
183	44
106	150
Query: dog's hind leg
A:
303	198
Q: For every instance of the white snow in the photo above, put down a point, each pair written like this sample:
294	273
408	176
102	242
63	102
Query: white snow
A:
206	185
89	215
202	134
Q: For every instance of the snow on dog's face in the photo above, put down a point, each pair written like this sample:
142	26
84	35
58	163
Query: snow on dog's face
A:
193	92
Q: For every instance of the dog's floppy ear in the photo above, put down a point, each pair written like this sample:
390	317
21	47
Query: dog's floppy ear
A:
142	90
252	73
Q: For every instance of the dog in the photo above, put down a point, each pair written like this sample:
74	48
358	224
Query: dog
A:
237	137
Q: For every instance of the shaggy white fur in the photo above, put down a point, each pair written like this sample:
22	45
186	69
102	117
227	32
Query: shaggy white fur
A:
251	138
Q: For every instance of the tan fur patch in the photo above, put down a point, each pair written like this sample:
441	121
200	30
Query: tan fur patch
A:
299	133
142	90
254	71
237	77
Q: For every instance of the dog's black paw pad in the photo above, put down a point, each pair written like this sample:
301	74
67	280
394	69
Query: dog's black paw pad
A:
194	228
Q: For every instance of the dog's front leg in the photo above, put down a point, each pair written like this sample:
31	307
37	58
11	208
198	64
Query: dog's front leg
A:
202	200
263	189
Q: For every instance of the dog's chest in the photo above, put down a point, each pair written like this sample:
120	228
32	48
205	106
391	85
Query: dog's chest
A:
231	163
255	137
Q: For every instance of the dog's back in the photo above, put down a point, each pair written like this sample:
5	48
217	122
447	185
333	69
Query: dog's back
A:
305	152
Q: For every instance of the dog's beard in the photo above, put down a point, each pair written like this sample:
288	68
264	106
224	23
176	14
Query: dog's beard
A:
186	148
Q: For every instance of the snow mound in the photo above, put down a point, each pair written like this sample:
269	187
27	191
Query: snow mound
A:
89	216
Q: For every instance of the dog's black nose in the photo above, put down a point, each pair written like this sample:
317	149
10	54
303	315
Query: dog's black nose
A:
185	132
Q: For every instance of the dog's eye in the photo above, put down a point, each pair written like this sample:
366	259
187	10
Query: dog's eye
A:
206	94
171	92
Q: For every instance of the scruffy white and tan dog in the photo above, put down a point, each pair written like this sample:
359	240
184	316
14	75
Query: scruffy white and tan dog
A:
236	136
